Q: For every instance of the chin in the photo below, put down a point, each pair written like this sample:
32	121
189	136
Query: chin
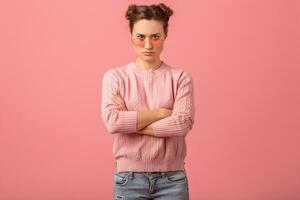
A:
148	57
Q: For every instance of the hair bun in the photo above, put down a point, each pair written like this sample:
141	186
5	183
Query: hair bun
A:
159	12
167	11
131	10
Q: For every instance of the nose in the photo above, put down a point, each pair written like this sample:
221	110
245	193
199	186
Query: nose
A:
148	44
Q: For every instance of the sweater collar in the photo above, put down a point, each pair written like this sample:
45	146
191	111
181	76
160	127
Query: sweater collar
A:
153	72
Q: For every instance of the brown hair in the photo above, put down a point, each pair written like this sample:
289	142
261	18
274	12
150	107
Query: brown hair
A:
159	12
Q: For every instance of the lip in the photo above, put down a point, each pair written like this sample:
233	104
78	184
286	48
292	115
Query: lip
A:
148	52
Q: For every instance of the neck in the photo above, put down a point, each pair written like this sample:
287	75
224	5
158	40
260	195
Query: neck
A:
148	65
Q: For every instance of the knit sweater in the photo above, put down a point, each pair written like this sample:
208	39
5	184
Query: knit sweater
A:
147	89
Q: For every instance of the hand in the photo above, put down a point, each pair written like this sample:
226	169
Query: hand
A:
119	102
148	130
164	112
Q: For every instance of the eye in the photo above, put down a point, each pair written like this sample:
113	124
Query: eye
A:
156	36
140	36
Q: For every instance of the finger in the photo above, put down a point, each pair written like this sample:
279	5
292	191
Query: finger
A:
115	97
121	101
118	100
115	101
119	106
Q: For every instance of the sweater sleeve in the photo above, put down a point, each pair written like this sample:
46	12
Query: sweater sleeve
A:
180	122
115	121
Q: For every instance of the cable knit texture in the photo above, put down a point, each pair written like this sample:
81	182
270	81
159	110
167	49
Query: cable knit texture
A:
147	89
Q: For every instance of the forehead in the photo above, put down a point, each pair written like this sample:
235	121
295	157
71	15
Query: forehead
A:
148	27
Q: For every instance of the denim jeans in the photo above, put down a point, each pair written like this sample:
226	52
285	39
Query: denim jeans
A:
171	185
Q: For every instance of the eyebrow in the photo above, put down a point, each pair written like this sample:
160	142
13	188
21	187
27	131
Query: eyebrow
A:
144	34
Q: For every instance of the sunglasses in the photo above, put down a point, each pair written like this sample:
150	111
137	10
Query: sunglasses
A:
140	41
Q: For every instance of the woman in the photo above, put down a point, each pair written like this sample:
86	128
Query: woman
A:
148	106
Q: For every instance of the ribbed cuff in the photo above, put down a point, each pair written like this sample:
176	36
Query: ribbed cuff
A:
128	119
160	130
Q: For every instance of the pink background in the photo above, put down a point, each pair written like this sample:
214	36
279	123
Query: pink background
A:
243	58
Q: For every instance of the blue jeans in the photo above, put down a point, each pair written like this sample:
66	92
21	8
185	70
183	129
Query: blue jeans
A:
171	185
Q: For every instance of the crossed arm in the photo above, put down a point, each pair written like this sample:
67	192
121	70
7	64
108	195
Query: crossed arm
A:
159	122
144	118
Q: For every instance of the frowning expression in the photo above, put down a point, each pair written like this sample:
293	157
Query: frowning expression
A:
148	38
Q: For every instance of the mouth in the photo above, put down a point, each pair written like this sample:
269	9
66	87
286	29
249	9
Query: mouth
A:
148	53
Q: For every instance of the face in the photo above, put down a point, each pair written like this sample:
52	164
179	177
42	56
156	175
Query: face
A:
148	39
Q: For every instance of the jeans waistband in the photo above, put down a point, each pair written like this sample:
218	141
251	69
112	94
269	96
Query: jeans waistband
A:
152	174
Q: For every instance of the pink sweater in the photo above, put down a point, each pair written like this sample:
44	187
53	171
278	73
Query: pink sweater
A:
147	89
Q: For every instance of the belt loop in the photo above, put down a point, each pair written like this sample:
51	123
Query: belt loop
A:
163	174
131	175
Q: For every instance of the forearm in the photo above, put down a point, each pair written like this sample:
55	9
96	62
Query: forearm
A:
147	117
148	130
169	128
176	125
